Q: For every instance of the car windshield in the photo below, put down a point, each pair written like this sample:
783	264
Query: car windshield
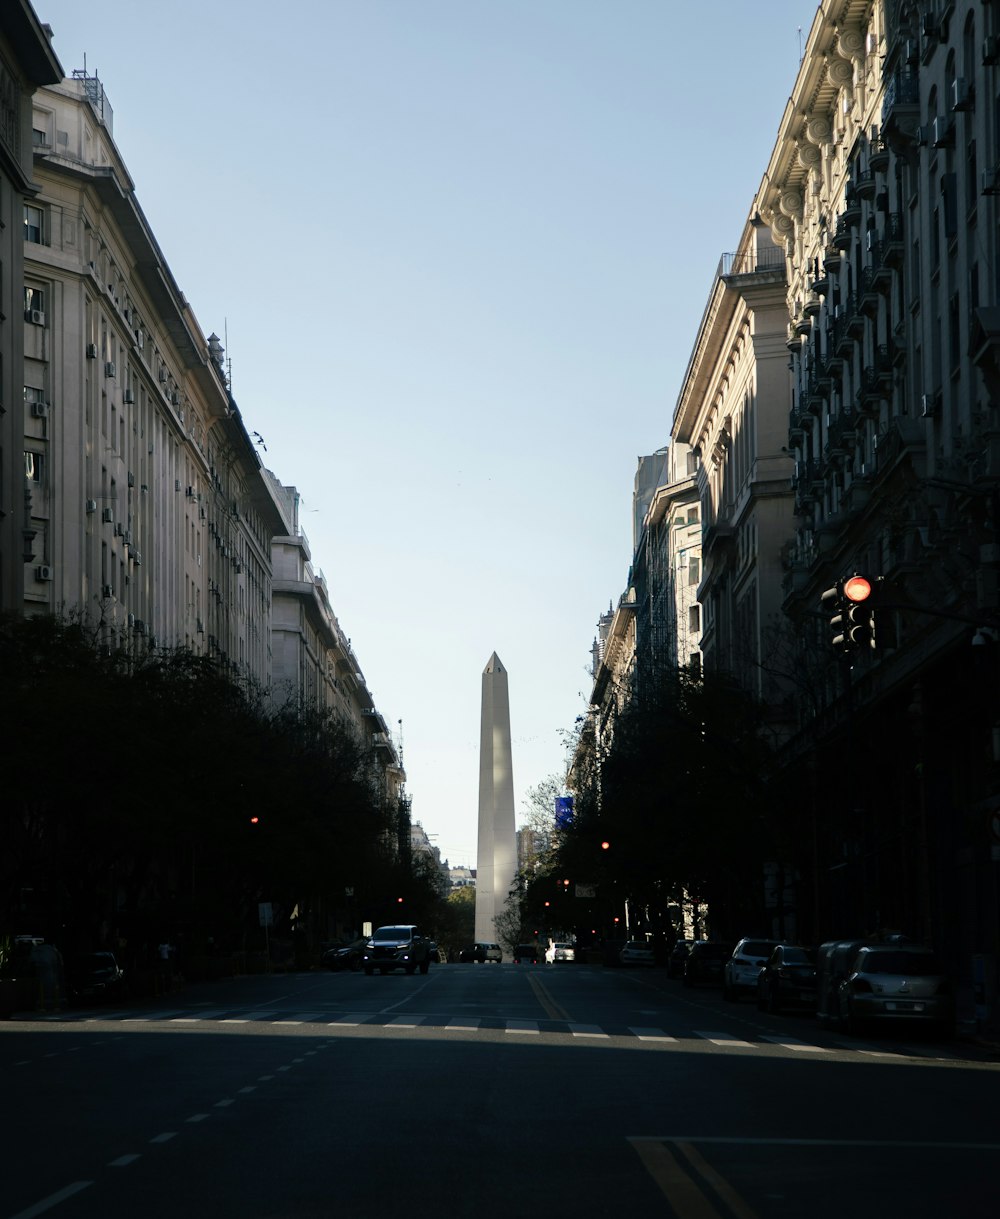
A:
900	963
96	960
798	956
757	948
392	933
714	952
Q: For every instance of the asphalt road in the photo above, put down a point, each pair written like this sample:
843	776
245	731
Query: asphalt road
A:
487	1091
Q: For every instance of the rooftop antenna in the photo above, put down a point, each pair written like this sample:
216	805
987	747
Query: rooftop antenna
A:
800	44
400	722
229	361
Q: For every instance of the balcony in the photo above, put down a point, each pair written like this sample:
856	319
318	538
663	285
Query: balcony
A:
871	393
864	184
832	257
901	107
852	208
892	240
854	319
878	155
868	297
842	236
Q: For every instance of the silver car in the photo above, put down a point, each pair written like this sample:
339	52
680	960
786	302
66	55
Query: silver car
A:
897	982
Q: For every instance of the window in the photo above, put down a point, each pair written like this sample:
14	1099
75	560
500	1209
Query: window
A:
39	138
34	224
694	619
33	466
692	516
694	570
34	306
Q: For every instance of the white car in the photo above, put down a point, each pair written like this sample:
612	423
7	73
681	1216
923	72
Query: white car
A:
742	970
560	952
637	952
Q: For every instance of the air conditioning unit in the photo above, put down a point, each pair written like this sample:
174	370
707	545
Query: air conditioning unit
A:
929	405
199	626
131	479
923	136
107	516
175	399
139	340
930	26
201	514
871	44
177	484
140	627
137	558
991	49
107	590
91	351
91	505
43	573
36	316
109	369
127	537
961	94
163	376
991	181
128	397
131	620
943	131
119	530
40	410
190	492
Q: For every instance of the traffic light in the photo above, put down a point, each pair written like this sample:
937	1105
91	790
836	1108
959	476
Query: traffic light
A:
851	606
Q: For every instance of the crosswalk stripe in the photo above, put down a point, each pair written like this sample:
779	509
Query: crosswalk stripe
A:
651	1035
404	1022
350	1021
801	1046
463	1022
521	1026
199	1016
302	1018
587	1030
722	1038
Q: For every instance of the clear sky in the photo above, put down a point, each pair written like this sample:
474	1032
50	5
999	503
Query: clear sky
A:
461	249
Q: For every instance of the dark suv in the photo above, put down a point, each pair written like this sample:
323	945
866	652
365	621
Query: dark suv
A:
397	947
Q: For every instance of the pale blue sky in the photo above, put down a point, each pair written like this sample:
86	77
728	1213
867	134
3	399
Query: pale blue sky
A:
462	248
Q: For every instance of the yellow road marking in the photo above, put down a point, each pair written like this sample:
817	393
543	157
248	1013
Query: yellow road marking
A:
721	1186
678	1187
552	1009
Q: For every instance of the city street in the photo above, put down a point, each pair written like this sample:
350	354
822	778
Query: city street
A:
494	1091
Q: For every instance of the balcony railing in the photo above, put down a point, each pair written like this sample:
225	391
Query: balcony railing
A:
766	260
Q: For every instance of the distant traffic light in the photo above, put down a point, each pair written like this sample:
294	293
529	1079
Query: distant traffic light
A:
254	820
605	845
851	606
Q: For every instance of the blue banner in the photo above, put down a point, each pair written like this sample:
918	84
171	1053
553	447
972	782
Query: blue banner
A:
564	811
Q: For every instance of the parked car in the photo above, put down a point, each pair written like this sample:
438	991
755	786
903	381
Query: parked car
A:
833	962
637	952
528	954
560	952
344	956
96	976
400	946
480	954
743	967
705	962
788	979
897	982
677	957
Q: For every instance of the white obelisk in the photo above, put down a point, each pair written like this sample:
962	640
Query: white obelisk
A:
496	857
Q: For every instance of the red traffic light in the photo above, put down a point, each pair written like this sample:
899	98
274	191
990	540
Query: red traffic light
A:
857	588
605	845
254	820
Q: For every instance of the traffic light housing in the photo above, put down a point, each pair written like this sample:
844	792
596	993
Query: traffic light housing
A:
851	606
